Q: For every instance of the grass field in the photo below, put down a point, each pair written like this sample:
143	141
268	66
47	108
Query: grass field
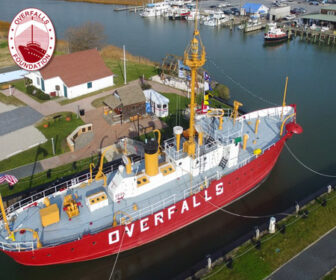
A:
10	100
278	248
58	130
5	57
42	178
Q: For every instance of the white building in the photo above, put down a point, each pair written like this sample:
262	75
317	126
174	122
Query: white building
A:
156	103
254	9
73	75
276	13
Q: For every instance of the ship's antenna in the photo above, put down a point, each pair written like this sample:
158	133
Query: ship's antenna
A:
284	98
194	57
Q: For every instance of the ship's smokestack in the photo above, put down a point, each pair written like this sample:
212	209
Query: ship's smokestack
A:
152	158
177	132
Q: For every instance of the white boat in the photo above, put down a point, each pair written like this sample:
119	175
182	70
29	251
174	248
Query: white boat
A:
193	14
155	9
216	18
253	24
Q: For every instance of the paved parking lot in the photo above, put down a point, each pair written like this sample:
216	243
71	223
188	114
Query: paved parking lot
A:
17	118
268	3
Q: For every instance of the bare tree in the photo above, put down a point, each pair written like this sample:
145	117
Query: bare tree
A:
87	36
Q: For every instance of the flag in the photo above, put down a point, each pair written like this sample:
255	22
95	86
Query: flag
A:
8	178
207	82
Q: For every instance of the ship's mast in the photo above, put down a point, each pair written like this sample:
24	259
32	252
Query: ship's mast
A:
194	57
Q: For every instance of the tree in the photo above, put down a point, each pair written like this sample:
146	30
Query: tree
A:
90	35
222	91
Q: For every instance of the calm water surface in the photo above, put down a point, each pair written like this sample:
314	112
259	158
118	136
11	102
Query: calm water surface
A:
231	55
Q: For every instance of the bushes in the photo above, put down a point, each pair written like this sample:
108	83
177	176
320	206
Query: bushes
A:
37	93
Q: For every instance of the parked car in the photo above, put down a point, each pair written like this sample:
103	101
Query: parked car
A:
213	6
290	17
315	3
235	11
228	12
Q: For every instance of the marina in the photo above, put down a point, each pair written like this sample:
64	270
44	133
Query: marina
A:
255	63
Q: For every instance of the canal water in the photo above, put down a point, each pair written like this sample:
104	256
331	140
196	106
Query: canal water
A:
256	77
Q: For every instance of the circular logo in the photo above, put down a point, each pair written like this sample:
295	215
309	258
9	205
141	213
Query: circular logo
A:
31	39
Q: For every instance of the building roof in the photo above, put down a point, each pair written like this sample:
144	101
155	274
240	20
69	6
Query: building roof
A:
252	7
155	97
321	17
131	94
77	68
331	7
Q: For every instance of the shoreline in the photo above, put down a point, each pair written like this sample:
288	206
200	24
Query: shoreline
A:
115	2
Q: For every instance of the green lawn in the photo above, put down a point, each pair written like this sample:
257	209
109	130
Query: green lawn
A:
41	178
331	275
278	248
133	71
19	84
58	129
11	100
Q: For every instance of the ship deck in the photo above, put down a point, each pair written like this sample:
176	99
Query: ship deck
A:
149	202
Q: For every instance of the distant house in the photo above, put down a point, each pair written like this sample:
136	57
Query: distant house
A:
125	103
254	9
73	75
156	103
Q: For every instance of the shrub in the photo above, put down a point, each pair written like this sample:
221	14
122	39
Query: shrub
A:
37	92
145	86
222	91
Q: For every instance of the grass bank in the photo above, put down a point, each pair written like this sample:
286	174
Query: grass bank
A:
46	177
253	264
58	129
5	57
10	100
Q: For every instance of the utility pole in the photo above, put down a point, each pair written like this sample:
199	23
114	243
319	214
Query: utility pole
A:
125	78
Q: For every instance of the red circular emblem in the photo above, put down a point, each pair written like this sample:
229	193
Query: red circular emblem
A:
31	39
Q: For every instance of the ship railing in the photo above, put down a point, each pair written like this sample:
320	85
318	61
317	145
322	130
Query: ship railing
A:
170	149
149	210
196	188
30	201
269	112
17	246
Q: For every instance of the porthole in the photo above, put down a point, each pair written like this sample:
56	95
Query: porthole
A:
144	180
165	171
94	243
170	169
138	182
180	163
92	201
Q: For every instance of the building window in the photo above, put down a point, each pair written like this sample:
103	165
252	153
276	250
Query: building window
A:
38	81
89	85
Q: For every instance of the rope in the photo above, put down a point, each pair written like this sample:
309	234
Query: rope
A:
307	167
245	216
115	262
241	86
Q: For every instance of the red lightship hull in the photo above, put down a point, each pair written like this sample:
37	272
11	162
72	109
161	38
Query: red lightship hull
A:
220	193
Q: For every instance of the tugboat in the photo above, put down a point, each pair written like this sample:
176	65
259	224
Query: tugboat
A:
221	157
275	35
32	52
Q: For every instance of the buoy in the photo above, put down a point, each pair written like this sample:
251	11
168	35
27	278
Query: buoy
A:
271	227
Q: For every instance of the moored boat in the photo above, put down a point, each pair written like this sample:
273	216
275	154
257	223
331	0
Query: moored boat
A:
275	34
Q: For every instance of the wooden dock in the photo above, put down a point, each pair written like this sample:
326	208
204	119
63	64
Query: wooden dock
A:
314	36
129	8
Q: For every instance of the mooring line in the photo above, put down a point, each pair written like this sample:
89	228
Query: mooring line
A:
115	262
307	167
245	216
241	86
